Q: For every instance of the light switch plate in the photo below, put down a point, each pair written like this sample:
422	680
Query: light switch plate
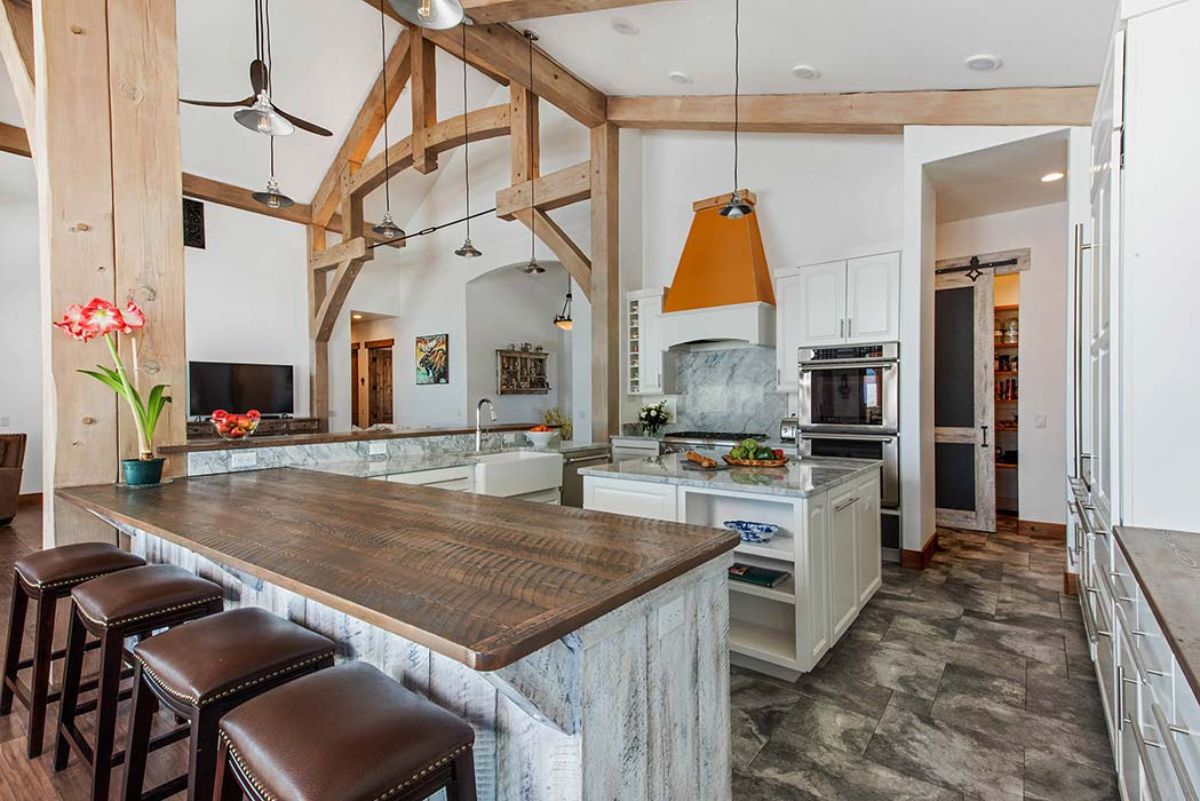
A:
377	449
243	459
1039	421
670	617
4	422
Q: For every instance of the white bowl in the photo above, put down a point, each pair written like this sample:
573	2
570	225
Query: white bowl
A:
541	439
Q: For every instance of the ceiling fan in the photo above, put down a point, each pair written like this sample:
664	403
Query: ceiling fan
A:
259	113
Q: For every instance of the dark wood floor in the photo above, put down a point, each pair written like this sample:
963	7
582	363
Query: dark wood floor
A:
25	780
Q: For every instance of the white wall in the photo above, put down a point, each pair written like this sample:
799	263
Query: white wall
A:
21	324
247	294
506	307
1042	349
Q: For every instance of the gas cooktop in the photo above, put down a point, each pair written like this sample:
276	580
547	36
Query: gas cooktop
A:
714	437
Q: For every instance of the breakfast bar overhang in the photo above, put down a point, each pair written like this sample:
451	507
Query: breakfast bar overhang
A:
589	651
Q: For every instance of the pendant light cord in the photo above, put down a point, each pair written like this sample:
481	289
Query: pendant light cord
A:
737	84
258	32
532	179
270	60
466	130
387	173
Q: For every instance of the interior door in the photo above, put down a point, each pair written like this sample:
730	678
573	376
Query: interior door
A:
355	384
963	402
823	309
380	362
872	298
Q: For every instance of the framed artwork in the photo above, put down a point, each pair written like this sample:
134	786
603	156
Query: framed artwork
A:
193	223
433	359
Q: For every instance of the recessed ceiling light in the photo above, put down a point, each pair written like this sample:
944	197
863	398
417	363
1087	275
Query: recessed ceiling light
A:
806	71
625	27
1051	177
679	77
984	62
356	316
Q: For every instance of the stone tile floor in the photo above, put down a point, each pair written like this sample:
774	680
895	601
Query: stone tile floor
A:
968	680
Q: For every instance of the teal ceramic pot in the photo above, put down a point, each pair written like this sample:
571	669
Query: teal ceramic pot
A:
139	473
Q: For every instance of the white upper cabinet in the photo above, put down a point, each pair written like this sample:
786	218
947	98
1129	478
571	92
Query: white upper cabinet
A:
651	370
873	298
835	303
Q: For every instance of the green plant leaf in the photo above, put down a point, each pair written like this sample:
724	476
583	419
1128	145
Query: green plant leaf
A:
154	406
112	383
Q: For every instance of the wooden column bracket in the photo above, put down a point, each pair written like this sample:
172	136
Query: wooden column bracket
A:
16	50
560	188
424	102
526	147
605	296
335	297
563	247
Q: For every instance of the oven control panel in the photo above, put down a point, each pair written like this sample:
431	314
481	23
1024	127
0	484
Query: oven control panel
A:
851	353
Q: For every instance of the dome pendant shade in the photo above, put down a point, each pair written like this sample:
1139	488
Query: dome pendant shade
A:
563	319
436	14
736	208
271	197
264	119
468	251
387	227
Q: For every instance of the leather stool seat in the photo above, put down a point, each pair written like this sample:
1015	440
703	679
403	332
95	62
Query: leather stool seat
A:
214	657
348	732
73	564
142	592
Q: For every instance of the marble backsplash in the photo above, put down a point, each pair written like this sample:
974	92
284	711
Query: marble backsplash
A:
204	463
730	389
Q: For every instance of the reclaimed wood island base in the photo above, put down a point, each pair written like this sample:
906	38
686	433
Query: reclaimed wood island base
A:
590	652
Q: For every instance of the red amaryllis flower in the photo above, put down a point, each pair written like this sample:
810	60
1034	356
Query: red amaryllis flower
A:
101	317
73	323
133	317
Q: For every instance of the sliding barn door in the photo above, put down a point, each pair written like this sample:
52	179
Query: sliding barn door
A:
963	406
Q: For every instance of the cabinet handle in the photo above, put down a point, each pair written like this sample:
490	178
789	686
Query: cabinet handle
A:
1177	763
1139	741
985	442
845	504
1120	698
850	327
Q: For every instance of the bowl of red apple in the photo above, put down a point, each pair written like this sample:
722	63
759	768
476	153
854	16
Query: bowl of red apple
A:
235	426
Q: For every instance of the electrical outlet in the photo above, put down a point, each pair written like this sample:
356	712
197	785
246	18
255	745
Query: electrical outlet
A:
670	617
377	449
242	460
1039	421
4	422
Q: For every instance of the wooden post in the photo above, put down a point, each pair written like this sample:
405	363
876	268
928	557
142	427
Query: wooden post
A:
605	295
424	101
524	125
106	145
319	375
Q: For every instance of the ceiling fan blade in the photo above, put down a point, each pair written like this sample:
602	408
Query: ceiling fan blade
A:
258	76
305	124
245	101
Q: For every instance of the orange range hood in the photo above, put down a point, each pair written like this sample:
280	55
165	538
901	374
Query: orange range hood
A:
722	287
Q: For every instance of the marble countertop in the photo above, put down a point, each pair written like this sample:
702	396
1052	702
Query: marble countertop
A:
1167	566
415	463
800	479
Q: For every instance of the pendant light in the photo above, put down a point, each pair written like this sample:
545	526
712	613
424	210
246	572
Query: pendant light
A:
736	207
563	319
439	15
262	117
271	197
467	251
532	268
387	227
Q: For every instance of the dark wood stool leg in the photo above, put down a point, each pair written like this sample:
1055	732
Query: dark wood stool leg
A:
12	651
111	650
462	787
141	718
40	684
226	787
72	670
202	752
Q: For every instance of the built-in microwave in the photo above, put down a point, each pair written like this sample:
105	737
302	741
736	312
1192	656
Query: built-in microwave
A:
850	388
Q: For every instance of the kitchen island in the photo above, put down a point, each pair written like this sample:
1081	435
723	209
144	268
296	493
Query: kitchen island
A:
589	651
828	543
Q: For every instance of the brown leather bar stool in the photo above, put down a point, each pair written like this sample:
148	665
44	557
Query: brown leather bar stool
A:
200	671
348	733
132	603
45	577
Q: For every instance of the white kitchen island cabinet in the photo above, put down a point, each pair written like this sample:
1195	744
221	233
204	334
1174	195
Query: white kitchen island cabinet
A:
829	543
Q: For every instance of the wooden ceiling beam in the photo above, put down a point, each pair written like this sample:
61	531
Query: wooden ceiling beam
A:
200	188
13	140
484	123
525	149
489	11
563	247
859	113
424	101
500	49
16	51
555	190
365	128
335	296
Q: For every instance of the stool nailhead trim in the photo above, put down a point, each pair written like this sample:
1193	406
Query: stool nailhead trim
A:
198	702
152	613
237	757
49	585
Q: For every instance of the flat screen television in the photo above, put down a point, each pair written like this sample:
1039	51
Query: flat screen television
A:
239	388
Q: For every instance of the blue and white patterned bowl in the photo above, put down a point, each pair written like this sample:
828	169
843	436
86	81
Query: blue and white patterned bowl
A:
755	533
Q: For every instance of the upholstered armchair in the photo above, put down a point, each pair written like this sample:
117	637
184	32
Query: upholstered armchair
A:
12	457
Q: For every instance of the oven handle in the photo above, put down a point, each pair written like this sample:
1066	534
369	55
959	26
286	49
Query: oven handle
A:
809	367
861	437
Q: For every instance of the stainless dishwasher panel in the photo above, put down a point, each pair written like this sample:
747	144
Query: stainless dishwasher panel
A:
572	485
